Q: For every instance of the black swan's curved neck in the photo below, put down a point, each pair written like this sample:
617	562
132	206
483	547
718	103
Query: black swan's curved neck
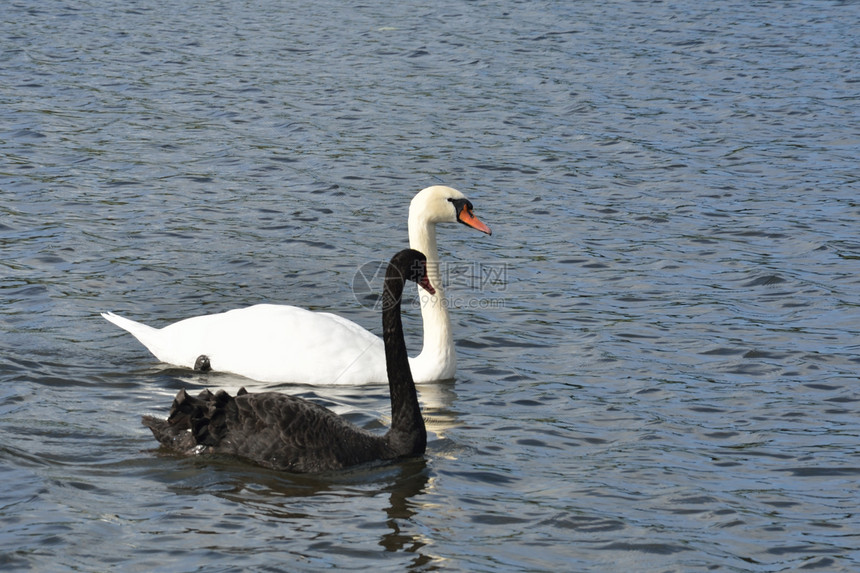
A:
407	425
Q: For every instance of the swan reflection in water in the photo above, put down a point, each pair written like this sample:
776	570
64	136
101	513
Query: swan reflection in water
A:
329	510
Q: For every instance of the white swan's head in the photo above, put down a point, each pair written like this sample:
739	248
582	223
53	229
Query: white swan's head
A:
440	204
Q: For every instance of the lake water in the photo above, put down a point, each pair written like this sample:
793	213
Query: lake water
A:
658	347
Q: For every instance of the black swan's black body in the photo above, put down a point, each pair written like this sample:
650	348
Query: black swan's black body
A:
288	433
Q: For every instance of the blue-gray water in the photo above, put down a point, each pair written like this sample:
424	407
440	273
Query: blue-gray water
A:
658	346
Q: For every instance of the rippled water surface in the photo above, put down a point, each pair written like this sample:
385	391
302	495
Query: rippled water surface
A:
658	346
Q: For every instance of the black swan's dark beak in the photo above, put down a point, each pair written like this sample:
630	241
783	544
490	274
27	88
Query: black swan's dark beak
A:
425	284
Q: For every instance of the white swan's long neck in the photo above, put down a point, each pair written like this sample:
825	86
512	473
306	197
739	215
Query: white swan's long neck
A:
437	359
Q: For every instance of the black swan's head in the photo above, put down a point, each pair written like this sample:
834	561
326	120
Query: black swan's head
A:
407	265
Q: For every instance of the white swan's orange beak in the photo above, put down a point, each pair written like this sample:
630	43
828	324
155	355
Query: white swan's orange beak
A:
425	284
467	217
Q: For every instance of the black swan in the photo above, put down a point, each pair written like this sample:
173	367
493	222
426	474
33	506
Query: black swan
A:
288	433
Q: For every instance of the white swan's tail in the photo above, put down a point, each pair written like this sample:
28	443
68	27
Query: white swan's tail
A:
137	329
146	335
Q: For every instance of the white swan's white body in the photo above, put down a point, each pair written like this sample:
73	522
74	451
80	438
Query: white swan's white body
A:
279	343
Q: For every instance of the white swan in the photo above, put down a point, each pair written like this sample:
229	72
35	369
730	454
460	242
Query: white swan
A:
278	343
